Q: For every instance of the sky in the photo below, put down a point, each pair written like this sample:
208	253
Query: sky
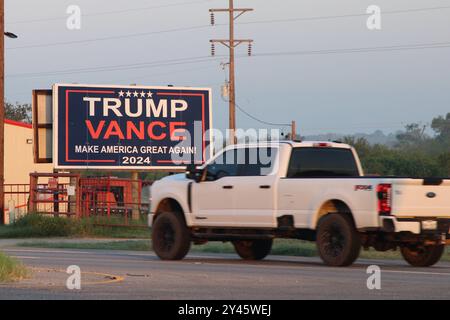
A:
314	61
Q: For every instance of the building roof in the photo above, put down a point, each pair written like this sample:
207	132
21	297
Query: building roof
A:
18	123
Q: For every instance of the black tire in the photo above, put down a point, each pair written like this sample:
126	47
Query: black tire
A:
253	249
170	236
422	256
338	241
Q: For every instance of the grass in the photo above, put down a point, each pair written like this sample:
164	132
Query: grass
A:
11	269
39	226
135	230
34	225
134	245
284	247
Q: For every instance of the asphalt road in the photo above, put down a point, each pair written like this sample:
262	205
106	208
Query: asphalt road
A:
141	275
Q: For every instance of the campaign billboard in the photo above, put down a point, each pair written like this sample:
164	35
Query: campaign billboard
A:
130	127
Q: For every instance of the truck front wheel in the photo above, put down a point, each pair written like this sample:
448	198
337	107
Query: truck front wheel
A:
170	236
338	241
422	256
253	249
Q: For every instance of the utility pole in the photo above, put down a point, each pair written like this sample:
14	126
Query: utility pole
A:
2	108
231	43
293	130
2	111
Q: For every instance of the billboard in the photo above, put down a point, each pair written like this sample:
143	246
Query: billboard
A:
130	127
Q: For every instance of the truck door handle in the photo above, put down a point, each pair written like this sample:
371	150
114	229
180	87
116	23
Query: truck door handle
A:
265	186
227	187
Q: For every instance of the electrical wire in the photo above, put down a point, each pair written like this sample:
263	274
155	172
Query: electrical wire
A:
161	63
357	50
202	59
341	16
112	12
259	120
125	36
199	27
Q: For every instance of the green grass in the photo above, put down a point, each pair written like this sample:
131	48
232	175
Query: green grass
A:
134	245
284	247
135	230
40	226
34	225
11	269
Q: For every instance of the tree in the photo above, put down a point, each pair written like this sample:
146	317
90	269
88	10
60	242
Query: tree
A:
413	136
441	127
18	112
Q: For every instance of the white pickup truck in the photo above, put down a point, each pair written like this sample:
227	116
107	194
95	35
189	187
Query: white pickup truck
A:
250	194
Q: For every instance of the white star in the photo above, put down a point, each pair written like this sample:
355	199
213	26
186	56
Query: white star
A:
128	93
149	94
135	94
121	93
142	94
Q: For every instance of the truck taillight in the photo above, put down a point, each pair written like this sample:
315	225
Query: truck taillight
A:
384	193
322	145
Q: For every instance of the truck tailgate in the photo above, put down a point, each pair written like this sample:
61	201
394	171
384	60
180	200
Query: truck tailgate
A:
414	198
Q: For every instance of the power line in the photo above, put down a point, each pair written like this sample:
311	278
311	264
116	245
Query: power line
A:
126	36
342	16
199	27
259	120
201	59
172	72
358	50
112	12
122	67
205	1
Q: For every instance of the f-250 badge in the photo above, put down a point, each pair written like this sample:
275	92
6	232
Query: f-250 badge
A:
363	187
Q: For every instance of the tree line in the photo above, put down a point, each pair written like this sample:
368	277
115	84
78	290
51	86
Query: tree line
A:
418	152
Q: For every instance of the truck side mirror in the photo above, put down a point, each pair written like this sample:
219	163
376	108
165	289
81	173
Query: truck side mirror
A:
194	173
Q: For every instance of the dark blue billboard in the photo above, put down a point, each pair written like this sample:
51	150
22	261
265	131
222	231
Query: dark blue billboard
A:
130	127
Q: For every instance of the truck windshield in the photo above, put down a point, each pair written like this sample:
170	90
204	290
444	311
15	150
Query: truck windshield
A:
322	162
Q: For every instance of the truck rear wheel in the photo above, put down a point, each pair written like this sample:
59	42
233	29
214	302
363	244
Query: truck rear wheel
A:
170	236
422	256
338	241
253	249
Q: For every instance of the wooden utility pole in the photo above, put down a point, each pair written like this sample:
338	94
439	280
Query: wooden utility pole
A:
293	130
2	112
136	197
231	43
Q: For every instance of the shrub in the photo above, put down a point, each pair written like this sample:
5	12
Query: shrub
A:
36	225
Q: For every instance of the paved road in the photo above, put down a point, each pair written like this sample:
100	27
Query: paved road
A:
141	275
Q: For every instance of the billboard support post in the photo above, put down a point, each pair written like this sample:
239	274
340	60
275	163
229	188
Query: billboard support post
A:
135	195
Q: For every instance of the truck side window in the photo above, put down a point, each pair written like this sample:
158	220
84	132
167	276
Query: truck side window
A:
242	162
322	162
223	166
258	161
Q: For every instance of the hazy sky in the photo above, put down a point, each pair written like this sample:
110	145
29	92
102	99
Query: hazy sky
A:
312	81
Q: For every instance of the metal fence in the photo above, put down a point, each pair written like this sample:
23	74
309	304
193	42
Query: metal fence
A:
116	199
57	196
16	201
109	201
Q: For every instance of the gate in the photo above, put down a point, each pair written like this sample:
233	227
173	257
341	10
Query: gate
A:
58	195
114	199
